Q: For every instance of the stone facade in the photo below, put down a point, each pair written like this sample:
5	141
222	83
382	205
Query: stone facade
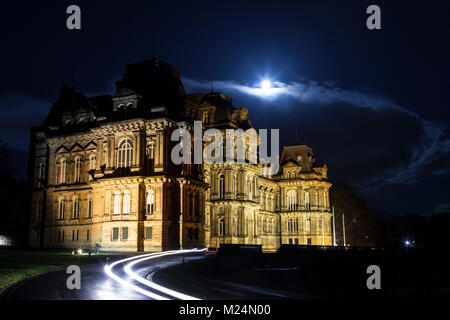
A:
103	177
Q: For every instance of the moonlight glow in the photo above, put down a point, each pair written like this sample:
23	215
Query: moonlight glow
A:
266	85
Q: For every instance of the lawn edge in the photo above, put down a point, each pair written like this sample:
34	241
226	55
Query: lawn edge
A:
9	288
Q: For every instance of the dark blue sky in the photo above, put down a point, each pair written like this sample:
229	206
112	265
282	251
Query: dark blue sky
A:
373	105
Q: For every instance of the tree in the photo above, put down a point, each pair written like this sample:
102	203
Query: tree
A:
360	220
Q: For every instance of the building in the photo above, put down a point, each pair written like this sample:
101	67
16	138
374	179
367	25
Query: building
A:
103	176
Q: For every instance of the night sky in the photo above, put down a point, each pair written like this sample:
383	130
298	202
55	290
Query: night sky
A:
373	105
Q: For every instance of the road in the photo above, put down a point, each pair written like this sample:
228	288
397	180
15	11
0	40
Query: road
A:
131	278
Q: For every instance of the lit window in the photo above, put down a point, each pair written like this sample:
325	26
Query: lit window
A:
307	204
292	200
308	225
126	202
125	158
61	209
76	208
62	165
150	201
151	150
77	173
117	202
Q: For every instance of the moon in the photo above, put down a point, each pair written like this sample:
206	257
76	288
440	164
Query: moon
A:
266	85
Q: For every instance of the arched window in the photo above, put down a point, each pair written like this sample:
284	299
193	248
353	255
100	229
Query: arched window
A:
289	225
61	206
77	173
272	225
250	188
221	186
90	208
92	162
307	203
62	171
126	202
235	226
76	208
150	201
151	150
117	202
308	225
295	225
221	226
292	200
125	158
205	117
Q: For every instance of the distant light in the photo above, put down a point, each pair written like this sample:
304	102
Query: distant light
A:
80	251
266	85
407	243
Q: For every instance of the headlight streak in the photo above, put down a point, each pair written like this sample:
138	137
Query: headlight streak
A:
138	259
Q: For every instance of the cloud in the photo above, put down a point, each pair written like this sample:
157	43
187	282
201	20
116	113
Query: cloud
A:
432	145
443	208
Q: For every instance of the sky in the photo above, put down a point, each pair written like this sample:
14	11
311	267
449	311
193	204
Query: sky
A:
373	104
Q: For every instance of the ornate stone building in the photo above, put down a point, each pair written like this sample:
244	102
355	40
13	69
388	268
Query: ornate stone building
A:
102	175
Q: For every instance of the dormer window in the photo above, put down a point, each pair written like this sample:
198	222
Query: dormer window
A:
130	105
206	117
121	106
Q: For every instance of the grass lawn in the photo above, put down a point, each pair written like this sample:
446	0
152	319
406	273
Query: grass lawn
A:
17	264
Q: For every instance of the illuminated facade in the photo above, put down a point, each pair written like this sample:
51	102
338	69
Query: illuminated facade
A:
103	176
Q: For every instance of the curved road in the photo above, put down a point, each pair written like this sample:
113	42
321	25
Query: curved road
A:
132	279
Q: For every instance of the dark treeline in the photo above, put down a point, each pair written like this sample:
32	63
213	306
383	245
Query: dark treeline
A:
14	213
366	227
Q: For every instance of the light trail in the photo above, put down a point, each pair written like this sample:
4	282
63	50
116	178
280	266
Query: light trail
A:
132	274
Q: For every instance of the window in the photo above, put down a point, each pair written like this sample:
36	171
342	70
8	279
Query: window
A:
78	234
63	236
124	233
292	200
148	233
77	173
250	188
308	241
221	186
307	204
295	240
221	226
62	171
205	117
234	185
150	201
308	225
151	150
295	225
126	202
190	234
117	202
76	208
235	226
73	235
273	225
125	158
289	225
290	240
115	233
92	162
61	209
87	235
90	208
